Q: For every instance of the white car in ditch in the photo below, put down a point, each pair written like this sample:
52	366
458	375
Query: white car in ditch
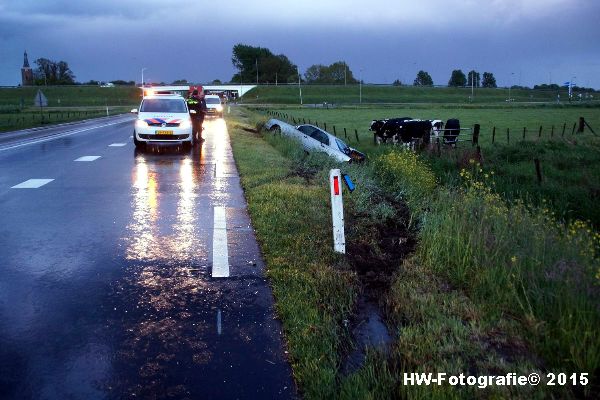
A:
314	138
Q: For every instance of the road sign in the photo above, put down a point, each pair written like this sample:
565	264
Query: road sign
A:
337	211
40	100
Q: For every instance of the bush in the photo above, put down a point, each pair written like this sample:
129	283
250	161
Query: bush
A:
408	176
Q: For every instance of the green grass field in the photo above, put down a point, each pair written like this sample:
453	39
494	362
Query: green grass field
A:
570	162
70	96
318	94
491	287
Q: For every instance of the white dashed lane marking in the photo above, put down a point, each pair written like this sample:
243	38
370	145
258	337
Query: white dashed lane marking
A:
88	158
117	145
220	258
32	184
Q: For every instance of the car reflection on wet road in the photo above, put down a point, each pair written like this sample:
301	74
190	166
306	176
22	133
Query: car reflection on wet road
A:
107	287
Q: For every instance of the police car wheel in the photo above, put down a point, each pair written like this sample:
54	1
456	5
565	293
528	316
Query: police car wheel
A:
138	144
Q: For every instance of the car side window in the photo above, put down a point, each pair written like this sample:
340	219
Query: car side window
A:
321	137
306	129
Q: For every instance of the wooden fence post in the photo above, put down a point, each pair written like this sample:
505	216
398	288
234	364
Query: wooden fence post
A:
552	131
356	134
540	132
574	126
334	131
493	135
524	132
324	126
508	135
538	170
476	128
564	127
345	134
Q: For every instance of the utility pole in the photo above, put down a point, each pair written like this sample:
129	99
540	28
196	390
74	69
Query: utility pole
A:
472	79
345	69
299	87
509	86
143	69
256	60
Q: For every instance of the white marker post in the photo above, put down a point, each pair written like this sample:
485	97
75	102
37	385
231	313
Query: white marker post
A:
337	211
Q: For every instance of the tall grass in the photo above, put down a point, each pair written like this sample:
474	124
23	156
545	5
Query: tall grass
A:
514	260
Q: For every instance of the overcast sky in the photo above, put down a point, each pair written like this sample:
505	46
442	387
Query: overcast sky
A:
521	41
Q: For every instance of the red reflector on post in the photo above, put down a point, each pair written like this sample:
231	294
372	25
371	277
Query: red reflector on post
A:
336	186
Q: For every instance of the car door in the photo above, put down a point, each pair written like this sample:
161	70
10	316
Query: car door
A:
307	139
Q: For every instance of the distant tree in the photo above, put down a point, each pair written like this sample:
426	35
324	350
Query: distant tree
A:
121	82
91	82
476	78
336	73
397	82
179	82
216	82
545	86
53	73
488	80
423	79
457	79
271	67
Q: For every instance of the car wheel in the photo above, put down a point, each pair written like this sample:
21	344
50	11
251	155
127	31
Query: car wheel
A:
138	144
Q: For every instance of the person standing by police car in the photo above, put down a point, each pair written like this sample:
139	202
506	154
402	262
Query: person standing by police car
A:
197	103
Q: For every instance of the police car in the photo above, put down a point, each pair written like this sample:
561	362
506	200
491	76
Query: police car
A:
163	118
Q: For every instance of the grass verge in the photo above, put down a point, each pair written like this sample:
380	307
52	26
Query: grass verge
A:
491	289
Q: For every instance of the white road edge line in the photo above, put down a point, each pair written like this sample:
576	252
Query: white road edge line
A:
220	256
54	137
32	184
218	322
88	158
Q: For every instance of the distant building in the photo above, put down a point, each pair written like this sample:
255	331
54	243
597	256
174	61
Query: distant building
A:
26	73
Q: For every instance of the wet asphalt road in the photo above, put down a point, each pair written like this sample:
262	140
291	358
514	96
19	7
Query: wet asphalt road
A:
106	272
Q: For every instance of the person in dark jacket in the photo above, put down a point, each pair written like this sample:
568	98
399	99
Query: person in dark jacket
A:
197	103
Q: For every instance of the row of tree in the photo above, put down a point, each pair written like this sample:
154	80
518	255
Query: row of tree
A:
260	65
458	79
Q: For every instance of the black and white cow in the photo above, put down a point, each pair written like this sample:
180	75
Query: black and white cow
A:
387	129
404	130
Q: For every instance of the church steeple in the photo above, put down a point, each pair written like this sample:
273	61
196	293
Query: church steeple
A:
26	72
26	61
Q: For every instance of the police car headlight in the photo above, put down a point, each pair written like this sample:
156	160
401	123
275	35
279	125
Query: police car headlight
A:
186	124
140	123
219	108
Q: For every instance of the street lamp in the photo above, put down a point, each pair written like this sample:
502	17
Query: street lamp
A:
143	69
360	87
571	88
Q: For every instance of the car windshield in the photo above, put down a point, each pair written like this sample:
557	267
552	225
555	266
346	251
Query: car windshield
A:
343	147
163	105
212	100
